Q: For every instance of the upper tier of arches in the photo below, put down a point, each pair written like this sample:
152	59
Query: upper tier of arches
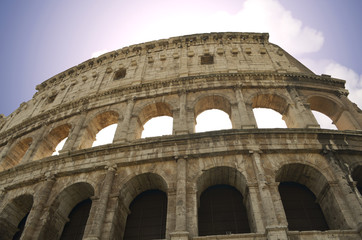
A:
130	116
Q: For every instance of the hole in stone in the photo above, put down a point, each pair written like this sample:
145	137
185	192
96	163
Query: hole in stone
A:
207	59
105	136
212	120
158	126
268	118
121	73
59	146
324	121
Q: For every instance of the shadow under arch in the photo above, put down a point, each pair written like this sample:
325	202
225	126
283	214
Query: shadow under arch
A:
137	186
357	177
16	153
333	110
318	184
61	207
96	124
227	180
150	111
13	214
49	143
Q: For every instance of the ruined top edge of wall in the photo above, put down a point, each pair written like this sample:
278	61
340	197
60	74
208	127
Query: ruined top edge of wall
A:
174	42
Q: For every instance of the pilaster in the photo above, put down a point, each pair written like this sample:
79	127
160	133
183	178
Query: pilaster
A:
123	126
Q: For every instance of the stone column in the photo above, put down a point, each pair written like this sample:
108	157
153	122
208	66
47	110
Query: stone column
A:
75	136
253	205
35	144
344	192
181	232
180	125
246	114
274	230
300	114
34	223
5	150
95	231
123	127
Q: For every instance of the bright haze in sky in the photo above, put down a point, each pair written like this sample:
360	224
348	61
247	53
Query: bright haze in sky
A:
40	39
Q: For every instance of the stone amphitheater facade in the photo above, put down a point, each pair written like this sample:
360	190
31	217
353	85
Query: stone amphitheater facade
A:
181	77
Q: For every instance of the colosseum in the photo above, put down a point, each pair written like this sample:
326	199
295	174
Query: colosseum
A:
299	182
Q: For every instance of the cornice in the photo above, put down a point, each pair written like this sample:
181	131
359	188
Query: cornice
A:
284	141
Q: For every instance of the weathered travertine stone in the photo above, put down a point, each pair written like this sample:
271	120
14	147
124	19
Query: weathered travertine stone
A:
181	77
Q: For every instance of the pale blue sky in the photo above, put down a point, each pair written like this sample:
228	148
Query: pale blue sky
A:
40	39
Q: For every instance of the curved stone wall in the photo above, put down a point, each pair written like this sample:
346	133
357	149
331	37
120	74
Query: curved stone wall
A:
181	77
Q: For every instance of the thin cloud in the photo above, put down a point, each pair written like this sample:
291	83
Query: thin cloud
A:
336	70
255	16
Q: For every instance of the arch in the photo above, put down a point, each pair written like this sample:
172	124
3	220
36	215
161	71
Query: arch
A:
334	110
61	207
141	183
49	143
301	209
226	180
274	102
212	102
148	211
13	217
221	175
357	176
317	183
150	111
135	186
74	228
96	124
16	153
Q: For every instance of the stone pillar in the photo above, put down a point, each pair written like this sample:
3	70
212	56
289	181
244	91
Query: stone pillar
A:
300	115
274	230
255	212
246	115
95	231
34	223
75	136
35	144
123	127
181	232
5	151
344	192
180	124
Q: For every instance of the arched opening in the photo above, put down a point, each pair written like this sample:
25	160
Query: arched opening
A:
129	192
105	136
301	209
317	183
151	115
147	218
21	227
59	146
16	153
221	212
227	186
157	126
74	228
13	217
324	121
268	118
50	142
271	111
334	111
211	120
212	113
62	206
98	123
357	176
